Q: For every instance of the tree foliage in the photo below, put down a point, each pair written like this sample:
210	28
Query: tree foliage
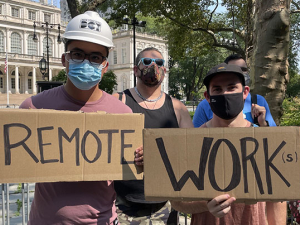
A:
188	73
291	115
293	87
259	30
61	76
108	82
77	7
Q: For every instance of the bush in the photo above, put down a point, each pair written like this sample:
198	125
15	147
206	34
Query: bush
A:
192	114
291	112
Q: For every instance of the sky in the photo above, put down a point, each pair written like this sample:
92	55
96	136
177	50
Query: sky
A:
49	1
220	8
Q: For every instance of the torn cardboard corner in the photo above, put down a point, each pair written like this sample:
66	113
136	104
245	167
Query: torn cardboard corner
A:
51	145
251	164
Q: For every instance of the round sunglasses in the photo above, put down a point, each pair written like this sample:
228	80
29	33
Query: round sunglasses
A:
148	61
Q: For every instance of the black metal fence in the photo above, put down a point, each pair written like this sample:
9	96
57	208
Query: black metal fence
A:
13	106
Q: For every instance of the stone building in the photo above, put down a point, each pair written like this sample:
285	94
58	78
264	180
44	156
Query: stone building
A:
16	39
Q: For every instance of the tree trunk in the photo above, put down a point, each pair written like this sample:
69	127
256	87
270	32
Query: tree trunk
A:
269	64
73	8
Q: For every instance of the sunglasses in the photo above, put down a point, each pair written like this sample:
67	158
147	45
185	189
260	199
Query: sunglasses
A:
148	61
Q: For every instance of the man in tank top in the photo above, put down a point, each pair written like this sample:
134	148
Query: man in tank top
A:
226	93
161	111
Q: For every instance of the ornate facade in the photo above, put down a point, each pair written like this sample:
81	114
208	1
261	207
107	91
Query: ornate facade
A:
16	39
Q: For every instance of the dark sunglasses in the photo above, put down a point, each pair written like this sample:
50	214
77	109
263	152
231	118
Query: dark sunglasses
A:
148	61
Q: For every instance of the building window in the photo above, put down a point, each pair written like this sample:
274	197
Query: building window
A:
124	27
13	81
123	55
32	46
31	15
29	84
16	46
47	18
45	46
13	84
115	57
1	82
1	41
0	9
15	12
124	83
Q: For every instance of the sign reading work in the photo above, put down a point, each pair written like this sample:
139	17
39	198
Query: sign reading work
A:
202	163
50	145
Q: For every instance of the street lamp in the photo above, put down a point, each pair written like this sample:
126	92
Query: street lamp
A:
44	64
134	22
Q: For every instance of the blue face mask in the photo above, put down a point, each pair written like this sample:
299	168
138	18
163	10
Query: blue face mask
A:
84	75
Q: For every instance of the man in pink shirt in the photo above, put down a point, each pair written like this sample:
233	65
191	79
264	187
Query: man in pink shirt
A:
226	93
87	39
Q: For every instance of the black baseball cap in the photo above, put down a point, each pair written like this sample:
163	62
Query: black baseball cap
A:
224	68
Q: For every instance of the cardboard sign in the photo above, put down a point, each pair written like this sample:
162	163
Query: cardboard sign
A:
50	145
252	164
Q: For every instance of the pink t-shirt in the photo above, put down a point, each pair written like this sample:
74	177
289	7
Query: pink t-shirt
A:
239	214
90	202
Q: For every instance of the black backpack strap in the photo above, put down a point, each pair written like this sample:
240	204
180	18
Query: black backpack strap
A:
253	98
120	95
254	101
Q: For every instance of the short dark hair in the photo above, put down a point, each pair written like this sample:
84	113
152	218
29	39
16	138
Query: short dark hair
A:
233	57
139	56
69	41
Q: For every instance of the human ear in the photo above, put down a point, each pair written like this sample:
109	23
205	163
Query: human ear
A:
206	95
63	59
246	92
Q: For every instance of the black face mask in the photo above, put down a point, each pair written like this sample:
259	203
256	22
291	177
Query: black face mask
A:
227	106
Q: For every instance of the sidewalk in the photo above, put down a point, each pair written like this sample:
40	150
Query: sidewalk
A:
13	98
182	220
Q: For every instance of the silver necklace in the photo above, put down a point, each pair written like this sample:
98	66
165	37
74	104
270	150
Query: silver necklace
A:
145	99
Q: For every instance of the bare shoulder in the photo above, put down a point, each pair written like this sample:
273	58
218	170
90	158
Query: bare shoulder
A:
177	104
116	95
182	114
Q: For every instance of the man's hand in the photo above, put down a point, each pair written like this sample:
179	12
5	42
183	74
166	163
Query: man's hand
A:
139	156
260	113
220	205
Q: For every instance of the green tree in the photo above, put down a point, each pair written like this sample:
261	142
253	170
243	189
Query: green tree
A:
260	28
293	87
291	115
108	82
61	76
188	73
